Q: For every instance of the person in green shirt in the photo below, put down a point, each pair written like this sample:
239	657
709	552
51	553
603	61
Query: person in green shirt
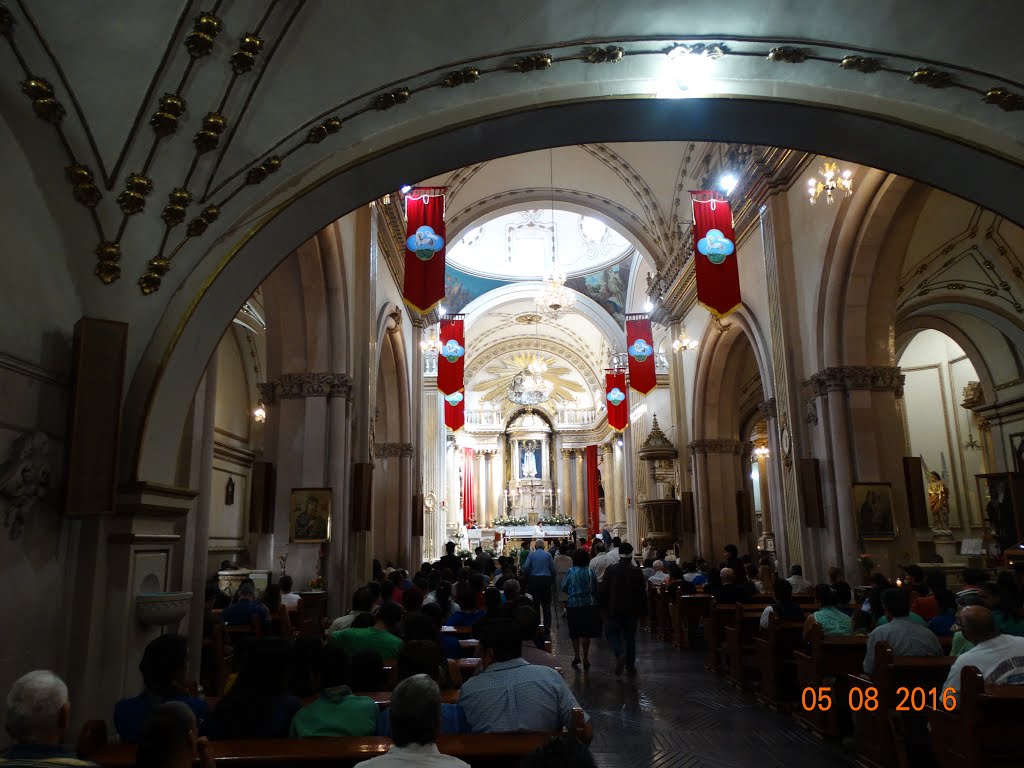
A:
379	638
524	552
337	712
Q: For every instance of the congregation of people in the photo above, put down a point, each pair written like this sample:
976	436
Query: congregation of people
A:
407	634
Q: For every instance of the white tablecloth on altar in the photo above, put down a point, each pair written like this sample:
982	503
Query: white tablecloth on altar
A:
535	531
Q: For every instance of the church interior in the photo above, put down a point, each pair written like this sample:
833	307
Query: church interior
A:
226	358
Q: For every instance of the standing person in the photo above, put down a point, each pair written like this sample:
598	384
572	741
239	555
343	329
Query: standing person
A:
289	599
450	560
580	585
624	601
539	570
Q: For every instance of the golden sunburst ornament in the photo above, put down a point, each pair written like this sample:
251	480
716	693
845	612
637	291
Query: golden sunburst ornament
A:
548	369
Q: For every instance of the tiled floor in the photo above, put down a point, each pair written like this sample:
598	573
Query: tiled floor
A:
675	714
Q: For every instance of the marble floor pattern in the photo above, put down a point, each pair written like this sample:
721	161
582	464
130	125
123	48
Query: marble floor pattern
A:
675	714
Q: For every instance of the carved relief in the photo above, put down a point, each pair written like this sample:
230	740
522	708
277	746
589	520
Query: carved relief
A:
769	408
973	396
291	386
24	480
811	413
718	445
880	378
392	450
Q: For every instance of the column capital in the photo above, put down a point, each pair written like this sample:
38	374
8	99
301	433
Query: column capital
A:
607	448
769	408
291	386
718	445
567	453
846	378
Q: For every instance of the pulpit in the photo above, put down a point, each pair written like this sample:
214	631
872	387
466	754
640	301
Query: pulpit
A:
660	514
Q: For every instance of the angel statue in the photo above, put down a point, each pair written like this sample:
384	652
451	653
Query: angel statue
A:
938	502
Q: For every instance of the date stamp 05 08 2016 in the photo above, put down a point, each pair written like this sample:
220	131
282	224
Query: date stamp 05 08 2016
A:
909	699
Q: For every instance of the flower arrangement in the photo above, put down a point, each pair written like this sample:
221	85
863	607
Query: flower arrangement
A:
510	522
557	520
866	562
317	583
463	553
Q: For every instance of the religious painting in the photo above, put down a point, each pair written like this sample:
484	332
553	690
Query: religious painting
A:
311	515
606	287
1017	451
872	503
461	288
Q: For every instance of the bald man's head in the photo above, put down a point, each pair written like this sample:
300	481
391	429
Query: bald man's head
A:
728	576
978	623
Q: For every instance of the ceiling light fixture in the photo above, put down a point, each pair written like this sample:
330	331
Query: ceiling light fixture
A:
260	414
441	311
648	306
406	189
762	452
431	345
684	343
555	299
727	183
832	180
688	68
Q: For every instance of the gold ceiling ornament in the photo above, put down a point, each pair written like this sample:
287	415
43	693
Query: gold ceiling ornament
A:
608	55
933	78
165	120
244	59
150	281
1004	98
461	77
199	224
259	174
394	98
44	103
133	199
83	185
534	63
787	54
865	64
108	264
528	318
177	204
832	180
503	373
320	132
205	29
207	138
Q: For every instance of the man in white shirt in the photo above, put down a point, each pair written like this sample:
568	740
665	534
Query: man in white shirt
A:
660	575
415	723
600	564
999	658
362	602
796	578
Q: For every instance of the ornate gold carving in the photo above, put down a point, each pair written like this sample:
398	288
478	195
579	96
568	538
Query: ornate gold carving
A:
108	265
207	139
933	78
199	224
244	59
177	203
83	185
607	55
158	266
259	174
133	199
533	63
974	396
1004	98
865	64
388	100
320	132
44	104
787	54
528	318
461	77
165	119
205	29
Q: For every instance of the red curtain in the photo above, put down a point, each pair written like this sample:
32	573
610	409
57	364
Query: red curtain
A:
616	398
451	360
640	352
593	502
424	248
714	248
468	508
454	411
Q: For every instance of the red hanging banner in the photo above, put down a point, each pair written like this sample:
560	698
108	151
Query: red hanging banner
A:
714	248
593	493
468	485
424	248
616	399
642	377
451	359
454	411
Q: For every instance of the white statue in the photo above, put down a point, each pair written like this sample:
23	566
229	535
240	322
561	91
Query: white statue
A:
529	462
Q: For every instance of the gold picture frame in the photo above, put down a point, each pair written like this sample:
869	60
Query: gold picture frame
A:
310	515
872	505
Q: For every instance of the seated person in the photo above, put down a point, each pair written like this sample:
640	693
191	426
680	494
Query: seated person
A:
38	713
901	633
362	602
412	599
170	739
528	619
844	597
660	575
1005	598
729	591
797	580
833	622
289	599
240	613
337	712
450	645
415	717
999	657
164	667
784	607
469	614
927	607
258	706
423	658
693	575
366	672
419	628
380	638
511	695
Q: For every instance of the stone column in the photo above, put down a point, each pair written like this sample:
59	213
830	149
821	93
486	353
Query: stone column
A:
579	501
608	478
718	479
565	486
484	516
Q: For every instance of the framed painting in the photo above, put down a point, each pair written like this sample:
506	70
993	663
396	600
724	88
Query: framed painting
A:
311	515
872	503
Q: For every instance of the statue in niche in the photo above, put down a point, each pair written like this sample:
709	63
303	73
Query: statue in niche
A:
229	492
938	502
529	465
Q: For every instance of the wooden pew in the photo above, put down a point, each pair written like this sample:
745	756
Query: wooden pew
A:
876	731
739	644
773	652
691	610
383	698
481	750
984	730
311	613
721	617
828	663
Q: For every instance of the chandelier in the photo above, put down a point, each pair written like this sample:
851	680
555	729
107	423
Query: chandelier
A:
529	387
684	343
555	299
834	180
431	345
